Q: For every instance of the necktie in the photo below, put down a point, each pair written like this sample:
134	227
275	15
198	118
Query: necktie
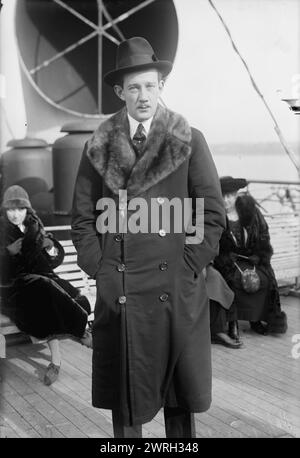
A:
139	140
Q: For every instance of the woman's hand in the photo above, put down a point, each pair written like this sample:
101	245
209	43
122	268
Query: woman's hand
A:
47	243
53	252
15	247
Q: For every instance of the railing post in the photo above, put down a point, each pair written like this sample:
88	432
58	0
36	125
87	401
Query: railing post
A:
2	346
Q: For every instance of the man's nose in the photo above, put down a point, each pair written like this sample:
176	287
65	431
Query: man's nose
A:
143	96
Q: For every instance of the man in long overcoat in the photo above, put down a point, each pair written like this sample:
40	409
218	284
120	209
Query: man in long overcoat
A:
151	337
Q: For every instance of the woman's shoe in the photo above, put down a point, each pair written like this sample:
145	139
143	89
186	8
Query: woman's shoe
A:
87	339
258	327
223	339
233	330
51	374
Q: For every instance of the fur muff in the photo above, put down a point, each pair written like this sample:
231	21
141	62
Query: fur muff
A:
111	152
251	218
245	206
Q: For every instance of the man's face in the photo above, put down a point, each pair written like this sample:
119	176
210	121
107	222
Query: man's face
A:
141	91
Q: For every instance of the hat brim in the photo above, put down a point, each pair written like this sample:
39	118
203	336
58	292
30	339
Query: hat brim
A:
113	77
16	203
233	185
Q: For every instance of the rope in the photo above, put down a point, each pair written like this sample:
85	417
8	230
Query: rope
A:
289	152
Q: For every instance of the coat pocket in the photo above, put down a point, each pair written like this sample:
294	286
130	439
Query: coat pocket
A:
189	267
89	261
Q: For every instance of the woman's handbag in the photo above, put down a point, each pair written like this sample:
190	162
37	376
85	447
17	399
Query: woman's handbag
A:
250	279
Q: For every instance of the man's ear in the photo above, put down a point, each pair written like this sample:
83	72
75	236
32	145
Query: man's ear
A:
119	91
161	85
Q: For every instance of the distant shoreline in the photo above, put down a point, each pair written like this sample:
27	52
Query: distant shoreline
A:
255	161
270	148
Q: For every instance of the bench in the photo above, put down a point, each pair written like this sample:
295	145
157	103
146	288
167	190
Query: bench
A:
285	238
68	270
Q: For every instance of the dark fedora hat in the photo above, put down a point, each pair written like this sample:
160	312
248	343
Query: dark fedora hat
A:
230	184
133	55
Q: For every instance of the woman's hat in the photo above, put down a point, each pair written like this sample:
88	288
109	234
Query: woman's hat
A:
16	197
133	55
230	184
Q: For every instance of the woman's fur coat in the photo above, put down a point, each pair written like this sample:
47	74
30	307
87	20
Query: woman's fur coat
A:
257	245
32	295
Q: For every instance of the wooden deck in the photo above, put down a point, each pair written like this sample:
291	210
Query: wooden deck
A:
256	391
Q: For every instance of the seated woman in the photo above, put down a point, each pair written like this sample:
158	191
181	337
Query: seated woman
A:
39	302
244	244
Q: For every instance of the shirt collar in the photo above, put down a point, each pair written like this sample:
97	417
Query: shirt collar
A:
133	124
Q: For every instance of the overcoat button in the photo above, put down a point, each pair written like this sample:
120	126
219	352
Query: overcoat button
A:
162	232
118	238
122	300
121	267
163	297
163	265
160	200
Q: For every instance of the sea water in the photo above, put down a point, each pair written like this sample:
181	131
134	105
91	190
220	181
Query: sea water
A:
262	161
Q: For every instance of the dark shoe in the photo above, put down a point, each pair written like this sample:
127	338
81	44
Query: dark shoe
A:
223	339
87	339
51	374
258	327
277	322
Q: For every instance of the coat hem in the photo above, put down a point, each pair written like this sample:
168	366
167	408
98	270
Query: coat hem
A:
138	420
201	406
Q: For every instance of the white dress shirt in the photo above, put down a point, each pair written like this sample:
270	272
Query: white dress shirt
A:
133	125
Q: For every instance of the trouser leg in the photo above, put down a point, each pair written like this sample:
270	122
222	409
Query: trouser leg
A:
122	431
179	422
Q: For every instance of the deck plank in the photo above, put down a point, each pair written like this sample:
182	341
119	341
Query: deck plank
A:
246	426
255	391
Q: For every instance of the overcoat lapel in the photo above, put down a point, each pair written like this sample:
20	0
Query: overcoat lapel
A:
111	152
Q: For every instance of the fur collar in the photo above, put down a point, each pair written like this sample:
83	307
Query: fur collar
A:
111	152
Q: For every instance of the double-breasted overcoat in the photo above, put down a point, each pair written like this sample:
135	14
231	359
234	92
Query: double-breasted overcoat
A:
151	333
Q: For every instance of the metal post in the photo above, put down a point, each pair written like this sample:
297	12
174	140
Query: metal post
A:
100	45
